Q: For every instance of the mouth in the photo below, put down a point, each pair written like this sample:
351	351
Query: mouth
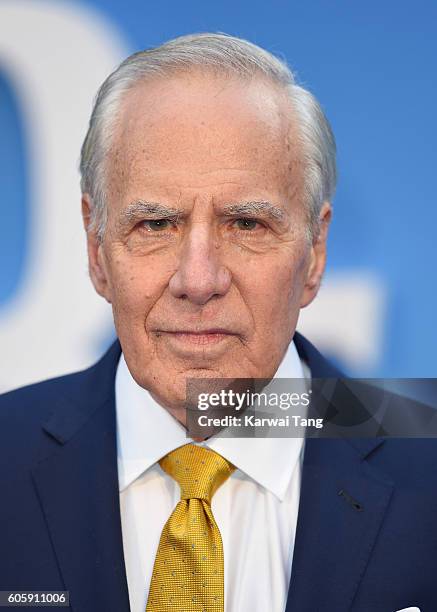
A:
204	338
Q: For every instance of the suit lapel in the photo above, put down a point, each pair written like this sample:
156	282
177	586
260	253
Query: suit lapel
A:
77	484
342	505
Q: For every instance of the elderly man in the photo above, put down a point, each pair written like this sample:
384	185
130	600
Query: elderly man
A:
207	179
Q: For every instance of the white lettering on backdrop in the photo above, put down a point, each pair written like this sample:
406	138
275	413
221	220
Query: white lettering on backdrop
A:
55	55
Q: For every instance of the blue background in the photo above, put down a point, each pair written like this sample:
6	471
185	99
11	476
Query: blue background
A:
373	67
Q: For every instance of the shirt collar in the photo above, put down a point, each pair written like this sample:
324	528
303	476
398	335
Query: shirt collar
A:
146	432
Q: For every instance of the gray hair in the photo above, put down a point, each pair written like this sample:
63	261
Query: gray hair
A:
221	54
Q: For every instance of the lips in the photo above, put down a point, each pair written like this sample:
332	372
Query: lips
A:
203	337
214	330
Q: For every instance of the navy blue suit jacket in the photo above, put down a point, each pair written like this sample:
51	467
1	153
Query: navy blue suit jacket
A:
372	548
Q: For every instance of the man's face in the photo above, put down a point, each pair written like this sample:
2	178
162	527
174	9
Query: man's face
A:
206	258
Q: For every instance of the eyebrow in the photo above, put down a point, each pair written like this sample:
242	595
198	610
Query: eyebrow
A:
138	209
256	208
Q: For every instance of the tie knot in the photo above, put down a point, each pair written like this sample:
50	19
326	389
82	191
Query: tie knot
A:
199	471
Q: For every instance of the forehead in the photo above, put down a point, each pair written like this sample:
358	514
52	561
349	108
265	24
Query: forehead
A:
197	130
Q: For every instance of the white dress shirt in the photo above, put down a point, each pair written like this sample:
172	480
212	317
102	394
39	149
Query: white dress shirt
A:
255	509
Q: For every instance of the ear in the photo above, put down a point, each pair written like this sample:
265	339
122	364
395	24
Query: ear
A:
96	259
317	257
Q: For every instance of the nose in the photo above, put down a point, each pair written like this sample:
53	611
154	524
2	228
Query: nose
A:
200	275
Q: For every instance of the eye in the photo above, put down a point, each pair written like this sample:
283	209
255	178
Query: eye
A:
155	225
246	224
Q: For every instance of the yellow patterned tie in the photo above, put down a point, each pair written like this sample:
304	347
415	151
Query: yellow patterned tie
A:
188	574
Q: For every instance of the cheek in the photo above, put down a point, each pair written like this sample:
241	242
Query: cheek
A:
135	287
276	296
